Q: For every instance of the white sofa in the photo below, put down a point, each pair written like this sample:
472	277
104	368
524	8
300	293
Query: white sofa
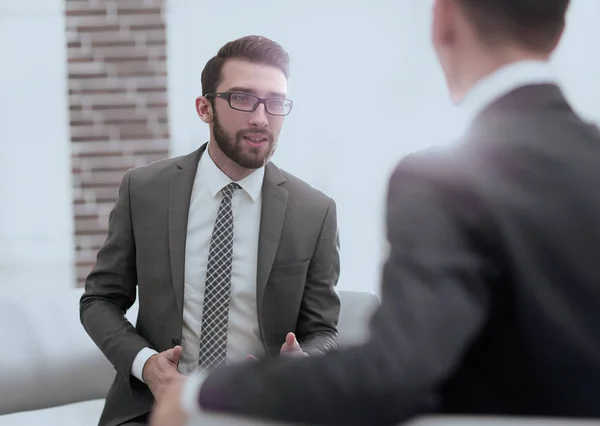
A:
51	373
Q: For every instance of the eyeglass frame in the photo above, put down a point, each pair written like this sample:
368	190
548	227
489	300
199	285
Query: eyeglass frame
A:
227	97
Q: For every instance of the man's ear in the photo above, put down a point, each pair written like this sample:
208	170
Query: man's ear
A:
204	109
444	17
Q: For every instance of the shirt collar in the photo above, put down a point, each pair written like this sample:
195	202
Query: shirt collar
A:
503	81
216	180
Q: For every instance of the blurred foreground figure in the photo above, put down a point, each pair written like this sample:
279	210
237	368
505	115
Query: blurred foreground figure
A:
491	289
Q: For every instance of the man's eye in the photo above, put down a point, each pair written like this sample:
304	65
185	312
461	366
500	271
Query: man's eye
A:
240	98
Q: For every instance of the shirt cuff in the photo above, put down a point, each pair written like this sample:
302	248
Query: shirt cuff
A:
139	361
191	392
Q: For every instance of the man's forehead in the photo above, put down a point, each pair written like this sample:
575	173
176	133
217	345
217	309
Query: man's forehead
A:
254	77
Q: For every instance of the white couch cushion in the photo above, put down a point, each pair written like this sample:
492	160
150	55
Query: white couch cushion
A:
46	357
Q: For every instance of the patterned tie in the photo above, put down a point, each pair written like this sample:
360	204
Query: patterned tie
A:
215	313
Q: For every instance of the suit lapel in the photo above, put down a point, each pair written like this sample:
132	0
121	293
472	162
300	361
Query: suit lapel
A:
274	204
180	192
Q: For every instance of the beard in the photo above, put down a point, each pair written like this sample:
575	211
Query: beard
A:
241	153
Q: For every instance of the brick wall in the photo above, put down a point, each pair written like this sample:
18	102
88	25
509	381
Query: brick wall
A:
118	106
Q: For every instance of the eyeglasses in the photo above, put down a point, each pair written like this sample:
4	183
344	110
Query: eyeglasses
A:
249	103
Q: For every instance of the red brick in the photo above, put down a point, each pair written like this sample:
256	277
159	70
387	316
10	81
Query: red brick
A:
88	11
109	179
122	9
139	4
89	242
107	27
106	116
88	226
153	36
137	68
83	7
123	107
120	53
103	99
99	195
142	21
120	162
77	22
97	39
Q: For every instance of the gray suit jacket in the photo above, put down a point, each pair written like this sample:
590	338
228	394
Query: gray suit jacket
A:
490	292
298	268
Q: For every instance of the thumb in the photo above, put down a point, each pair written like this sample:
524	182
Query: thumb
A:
291	344
290	340
174	354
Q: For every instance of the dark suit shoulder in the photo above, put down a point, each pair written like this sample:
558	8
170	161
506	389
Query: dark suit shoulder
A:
443	167
451	175
157	168
159	172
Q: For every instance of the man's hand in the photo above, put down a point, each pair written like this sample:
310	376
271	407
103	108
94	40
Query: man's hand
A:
161	369
291	347
168	411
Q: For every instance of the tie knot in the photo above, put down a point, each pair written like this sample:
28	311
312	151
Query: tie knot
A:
229	189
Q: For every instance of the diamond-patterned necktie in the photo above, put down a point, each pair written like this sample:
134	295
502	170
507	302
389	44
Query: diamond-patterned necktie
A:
215	312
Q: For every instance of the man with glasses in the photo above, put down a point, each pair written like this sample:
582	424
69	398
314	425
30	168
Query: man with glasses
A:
232	257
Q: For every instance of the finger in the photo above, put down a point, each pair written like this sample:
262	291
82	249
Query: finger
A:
174	354
291	343
252	357
290	340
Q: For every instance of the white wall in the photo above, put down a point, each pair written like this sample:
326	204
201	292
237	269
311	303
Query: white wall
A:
366	90
36	243
577	59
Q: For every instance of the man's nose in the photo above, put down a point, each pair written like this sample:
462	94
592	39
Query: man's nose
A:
259	117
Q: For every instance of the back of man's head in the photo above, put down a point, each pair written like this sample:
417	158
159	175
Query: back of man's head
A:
534	25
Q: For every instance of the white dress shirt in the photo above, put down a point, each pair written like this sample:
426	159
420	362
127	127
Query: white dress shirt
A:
503	81
243	334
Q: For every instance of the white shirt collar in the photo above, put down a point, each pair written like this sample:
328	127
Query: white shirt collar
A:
216	180
503	81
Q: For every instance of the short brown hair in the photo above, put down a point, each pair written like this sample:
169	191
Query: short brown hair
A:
534	24
256	49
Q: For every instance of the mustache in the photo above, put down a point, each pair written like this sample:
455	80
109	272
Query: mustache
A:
241	133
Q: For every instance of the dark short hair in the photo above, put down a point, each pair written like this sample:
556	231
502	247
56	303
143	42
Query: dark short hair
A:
534	24
253	48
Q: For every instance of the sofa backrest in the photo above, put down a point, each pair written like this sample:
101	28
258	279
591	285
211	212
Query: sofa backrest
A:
355	314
